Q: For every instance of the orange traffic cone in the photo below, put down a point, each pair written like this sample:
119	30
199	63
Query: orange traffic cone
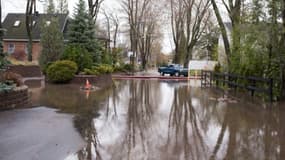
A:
87	84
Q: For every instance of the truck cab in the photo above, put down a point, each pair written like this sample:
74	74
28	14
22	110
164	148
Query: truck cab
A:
172	69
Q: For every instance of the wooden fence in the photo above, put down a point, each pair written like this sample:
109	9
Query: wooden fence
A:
250	83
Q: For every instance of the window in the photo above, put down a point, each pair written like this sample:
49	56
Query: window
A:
11	48
17	23
26	48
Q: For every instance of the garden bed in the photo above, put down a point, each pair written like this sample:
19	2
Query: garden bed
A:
18	97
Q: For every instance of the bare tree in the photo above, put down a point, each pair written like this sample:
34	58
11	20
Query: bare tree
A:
107	17
189	19
233	8
143	21
62	7
177	26
115	22
112	27
30	10
94	7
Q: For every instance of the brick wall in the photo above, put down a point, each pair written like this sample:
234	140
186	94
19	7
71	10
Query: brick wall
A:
26	71
21	47
19	97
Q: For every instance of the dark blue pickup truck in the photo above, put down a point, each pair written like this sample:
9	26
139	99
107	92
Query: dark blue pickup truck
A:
172	69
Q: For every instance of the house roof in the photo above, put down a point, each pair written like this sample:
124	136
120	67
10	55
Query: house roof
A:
15	25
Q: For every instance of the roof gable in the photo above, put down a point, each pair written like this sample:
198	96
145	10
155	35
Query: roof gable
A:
18	32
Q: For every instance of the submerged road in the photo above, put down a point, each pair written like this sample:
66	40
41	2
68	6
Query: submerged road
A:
139	120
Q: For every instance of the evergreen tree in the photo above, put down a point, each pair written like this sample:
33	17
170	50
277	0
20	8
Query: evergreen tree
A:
93	46
82	32
78	28
62	7
52	43
50	7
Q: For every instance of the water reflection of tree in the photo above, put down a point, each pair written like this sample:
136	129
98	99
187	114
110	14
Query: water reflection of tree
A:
249	133
185	125
84	121
140	112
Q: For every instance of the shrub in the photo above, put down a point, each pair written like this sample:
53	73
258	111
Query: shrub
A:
104	68
128	67
123	68
79	55
61	71
90	72
96	70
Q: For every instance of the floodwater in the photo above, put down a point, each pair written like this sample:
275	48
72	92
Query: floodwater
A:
144	120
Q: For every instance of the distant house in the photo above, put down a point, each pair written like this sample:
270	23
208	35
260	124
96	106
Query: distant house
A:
15	39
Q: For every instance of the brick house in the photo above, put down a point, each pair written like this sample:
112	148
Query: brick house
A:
15	39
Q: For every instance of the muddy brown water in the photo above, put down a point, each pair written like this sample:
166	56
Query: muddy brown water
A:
144	120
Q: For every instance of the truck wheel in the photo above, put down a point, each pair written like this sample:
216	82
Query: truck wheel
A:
162	73
177	74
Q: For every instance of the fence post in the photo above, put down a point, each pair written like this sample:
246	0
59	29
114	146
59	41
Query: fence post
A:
202	73
271	90
217	80
211	78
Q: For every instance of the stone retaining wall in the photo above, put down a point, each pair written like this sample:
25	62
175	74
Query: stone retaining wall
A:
18	97
26	71
99	81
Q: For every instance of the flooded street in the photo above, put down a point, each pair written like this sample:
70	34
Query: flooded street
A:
142	120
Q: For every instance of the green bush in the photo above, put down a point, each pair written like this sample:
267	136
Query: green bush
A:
104	68
123	68
90	72
128	67
61	71
79	55
100	69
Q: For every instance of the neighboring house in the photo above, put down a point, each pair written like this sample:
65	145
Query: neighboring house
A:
15	39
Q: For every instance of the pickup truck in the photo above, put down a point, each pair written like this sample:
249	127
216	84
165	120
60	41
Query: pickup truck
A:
172	69
184	72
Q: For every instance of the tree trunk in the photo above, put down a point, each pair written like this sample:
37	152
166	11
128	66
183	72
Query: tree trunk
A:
189	53
223	30
29	13
1	31
283	54
236	12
